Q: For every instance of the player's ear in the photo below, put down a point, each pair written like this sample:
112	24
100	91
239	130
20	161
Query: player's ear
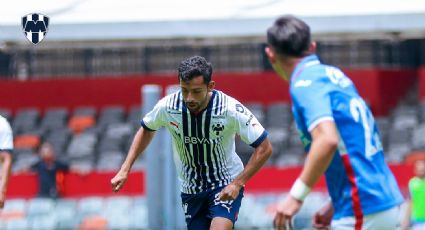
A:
270	54
211	86
312	48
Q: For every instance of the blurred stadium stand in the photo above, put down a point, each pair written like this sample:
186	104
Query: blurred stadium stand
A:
140	57
82	95
96	137
121	212
100	147
102	141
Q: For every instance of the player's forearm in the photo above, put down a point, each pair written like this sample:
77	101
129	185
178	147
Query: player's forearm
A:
318	159
407	213
260	156
6	171
140	142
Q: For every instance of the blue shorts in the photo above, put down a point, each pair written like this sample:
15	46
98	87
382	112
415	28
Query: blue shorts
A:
199	209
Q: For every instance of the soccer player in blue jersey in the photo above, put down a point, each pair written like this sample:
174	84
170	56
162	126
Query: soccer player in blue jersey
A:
203	123
339	134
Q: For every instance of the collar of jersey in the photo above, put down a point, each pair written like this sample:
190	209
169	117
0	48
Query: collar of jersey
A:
306	62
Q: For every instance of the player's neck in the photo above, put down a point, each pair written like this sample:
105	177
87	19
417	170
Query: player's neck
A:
289	65
292	62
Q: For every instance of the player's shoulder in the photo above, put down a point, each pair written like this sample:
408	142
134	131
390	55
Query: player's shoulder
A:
315	73
220	95
228	102
414	181
4	124
169	100
234	108
319	77
172	96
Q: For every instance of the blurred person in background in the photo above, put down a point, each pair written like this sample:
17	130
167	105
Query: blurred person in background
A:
203	123
339	134
47	169
50	171
415	209
6	148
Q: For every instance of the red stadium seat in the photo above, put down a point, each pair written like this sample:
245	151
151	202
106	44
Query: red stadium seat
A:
27	141
79	123
94	223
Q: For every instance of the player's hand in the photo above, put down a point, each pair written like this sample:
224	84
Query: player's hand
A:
285	213
230	192
405	225
118	181
322	219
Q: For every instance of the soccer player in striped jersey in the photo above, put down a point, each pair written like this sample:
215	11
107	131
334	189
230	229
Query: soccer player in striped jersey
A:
203	123
6	148
339	133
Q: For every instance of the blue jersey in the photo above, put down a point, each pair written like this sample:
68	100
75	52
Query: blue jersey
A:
358	179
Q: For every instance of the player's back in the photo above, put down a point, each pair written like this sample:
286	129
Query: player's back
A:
360	152
358	177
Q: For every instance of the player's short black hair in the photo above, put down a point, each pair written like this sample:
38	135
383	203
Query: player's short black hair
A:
289	36
193	67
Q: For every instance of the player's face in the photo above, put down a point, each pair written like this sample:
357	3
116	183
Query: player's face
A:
196	93
272	56
420	169
46	152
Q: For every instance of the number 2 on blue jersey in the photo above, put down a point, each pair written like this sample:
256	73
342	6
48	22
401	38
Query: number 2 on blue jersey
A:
360	114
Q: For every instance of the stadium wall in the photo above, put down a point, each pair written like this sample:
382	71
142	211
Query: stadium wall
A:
381	89
269	179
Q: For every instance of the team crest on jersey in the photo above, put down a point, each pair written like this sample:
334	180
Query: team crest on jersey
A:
218	128
35	27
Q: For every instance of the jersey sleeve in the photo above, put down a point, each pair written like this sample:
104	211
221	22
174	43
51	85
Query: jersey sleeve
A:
154	120
6	136
248	127
312	101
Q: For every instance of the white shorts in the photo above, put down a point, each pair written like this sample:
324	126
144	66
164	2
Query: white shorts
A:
385	220
418	226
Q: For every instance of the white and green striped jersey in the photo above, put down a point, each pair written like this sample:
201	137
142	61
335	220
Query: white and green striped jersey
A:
204	144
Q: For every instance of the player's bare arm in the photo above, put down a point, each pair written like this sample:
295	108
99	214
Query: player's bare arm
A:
405	223
323	147
258	159
6	159
141	140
